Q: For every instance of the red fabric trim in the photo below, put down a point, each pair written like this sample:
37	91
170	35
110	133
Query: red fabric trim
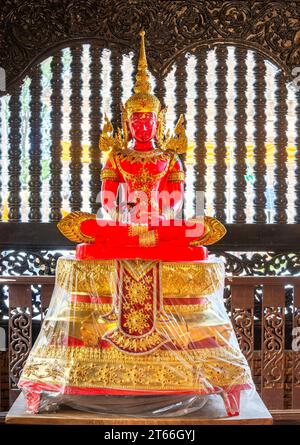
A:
182	301
73	341
209	342
163	253
166	300
90	299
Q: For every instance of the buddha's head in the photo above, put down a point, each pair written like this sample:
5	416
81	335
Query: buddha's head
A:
143	126
141	113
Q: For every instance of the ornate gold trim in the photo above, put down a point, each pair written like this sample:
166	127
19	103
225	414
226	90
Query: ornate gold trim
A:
161	370
142	100
142	157
104	308
95	276
88	276
207	277
187	308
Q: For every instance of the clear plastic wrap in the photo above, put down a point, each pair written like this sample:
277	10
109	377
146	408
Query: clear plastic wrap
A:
136	337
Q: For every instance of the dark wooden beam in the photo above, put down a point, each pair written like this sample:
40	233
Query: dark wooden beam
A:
239	237
32	236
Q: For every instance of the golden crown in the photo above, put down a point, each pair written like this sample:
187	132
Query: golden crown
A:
142	101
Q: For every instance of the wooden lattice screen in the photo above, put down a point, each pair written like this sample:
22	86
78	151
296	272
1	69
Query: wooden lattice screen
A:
237	105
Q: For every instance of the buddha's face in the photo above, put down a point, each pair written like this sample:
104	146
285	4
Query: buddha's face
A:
143	126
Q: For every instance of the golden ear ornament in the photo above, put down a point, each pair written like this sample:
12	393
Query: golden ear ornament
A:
213	232
177	142
161	126
108	140
69	226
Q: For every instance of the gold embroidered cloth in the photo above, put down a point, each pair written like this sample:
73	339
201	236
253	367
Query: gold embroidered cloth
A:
122	327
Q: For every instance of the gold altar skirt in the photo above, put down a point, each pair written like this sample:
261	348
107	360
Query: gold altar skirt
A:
136	328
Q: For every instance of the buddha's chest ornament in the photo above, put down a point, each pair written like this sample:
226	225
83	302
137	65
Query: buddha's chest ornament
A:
143	171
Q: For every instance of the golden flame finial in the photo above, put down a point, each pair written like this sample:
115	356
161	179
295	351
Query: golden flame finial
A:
142	83
142	100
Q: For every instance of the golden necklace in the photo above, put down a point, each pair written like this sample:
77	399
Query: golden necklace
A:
142	157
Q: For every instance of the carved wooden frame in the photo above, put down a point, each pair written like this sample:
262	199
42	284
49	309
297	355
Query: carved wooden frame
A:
30	31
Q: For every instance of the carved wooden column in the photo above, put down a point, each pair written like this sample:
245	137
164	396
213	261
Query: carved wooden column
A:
35	168
76	132
240	152
14	156
296	351
297	159
220	135
56	137
116	88
200	121
20	333
242	316
95	128
281	142
181	90
273	335
160	90
260	121
46	294
0	158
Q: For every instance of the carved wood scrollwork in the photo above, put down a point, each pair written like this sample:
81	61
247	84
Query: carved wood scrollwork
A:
20	342
273	347
43	262
296	365
244	330
20	332
30	30
296	351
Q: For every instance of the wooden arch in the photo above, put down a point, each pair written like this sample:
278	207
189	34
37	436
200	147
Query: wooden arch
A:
31	30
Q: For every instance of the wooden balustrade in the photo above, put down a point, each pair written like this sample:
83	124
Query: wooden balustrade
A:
264	328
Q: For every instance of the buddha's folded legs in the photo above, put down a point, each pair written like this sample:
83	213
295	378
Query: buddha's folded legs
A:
177	232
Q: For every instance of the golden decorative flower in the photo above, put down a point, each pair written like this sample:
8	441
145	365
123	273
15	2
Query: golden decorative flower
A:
136	321
138	292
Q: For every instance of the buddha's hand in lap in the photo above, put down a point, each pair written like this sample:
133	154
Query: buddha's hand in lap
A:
151	218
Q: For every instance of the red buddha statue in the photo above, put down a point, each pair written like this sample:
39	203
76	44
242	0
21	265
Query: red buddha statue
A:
144	169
